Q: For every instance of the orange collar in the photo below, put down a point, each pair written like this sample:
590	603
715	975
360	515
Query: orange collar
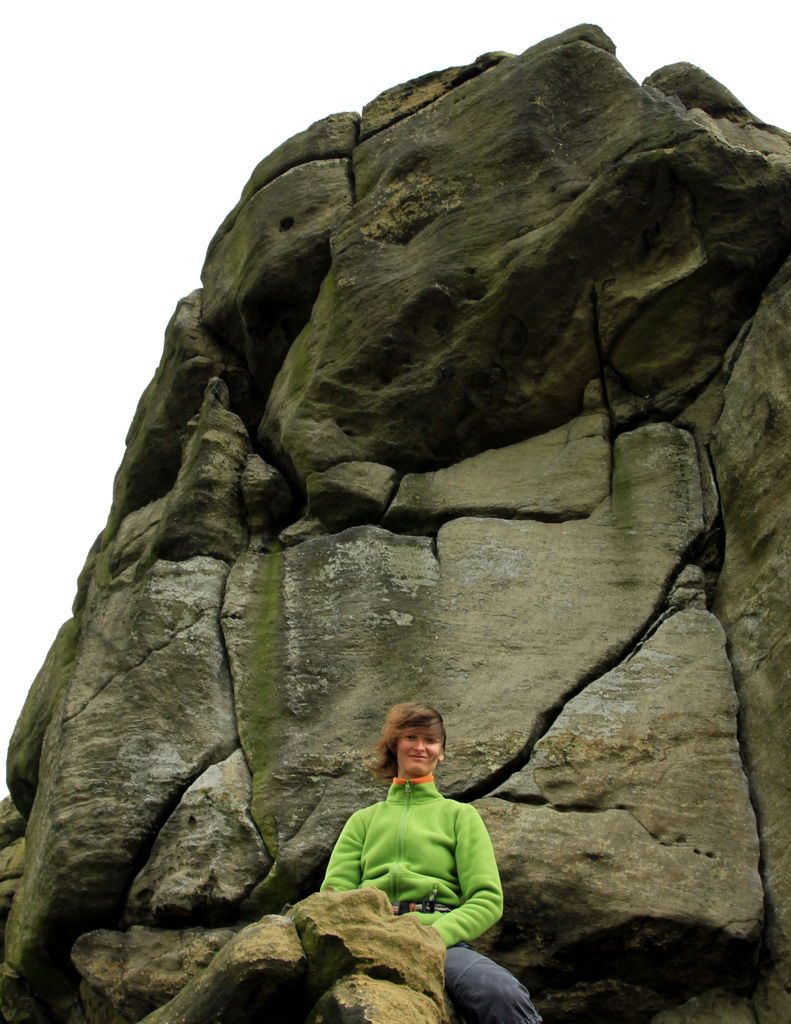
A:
423	778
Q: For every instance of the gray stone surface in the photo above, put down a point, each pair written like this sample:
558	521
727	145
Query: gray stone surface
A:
203	513
24	750
109	777
355	932
402	100
636	814
207	856
12	823
326	952
750	448
709	1008
629	245
563	474
261	277
267	498
350	493
135	536
12	867
331	137
136	971
363	1000
255	970
305	528
191	357
335	630
12	859
657	736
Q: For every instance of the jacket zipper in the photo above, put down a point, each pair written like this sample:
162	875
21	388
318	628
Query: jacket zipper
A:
400	842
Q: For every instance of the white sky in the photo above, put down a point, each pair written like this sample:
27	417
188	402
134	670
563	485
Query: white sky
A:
129	132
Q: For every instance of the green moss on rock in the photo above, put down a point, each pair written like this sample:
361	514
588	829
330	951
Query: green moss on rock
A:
24	752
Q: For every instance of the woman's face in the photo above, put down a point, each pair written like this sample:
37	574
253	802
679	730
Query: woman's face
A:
418	752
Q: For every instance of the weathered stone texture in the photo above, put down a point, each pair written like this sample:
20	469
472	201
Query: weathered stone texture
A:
348	932
208	854
136	971
563	474
402	100
204	511
153	649
330	138
322	629
254	975
364	1000
350	493
261	277
191	357
612	809
336	956
267	498
701	94
12	860
618	231
750	449
24	750
485	401
710	1008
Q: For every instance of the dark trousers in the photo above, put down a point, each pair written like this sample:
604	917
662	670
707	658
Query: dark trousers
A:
484	992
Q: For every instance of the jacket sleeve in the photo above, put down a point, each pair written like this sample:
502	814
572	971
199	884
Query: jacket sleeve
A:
479	880
344	870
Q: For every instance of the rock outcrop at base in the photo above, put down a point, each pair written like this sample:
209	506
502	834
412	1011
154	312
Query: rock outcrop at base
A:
484	401
332	957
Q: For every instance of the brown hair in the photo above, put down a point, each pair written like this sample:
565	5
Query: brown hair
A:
400	719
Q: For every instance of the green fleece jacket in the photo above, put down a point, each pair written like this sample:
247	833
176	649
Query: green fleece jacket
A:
416	841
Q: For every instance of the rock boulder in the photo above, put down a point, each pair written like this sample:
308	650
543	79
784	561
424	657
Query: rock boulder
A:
484	401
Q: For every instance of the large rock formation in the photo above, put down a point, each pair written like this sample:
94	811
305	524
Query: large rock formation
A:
484	401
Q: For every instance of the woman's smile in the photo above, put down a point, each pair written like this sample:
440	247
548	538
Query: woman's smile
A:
418	754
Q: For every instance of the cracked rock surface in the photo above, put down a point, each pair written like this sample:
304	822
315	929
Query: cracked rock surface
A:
484	402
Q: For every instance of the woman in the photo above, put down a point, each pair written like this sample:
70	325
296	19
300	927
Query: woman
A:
433	857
